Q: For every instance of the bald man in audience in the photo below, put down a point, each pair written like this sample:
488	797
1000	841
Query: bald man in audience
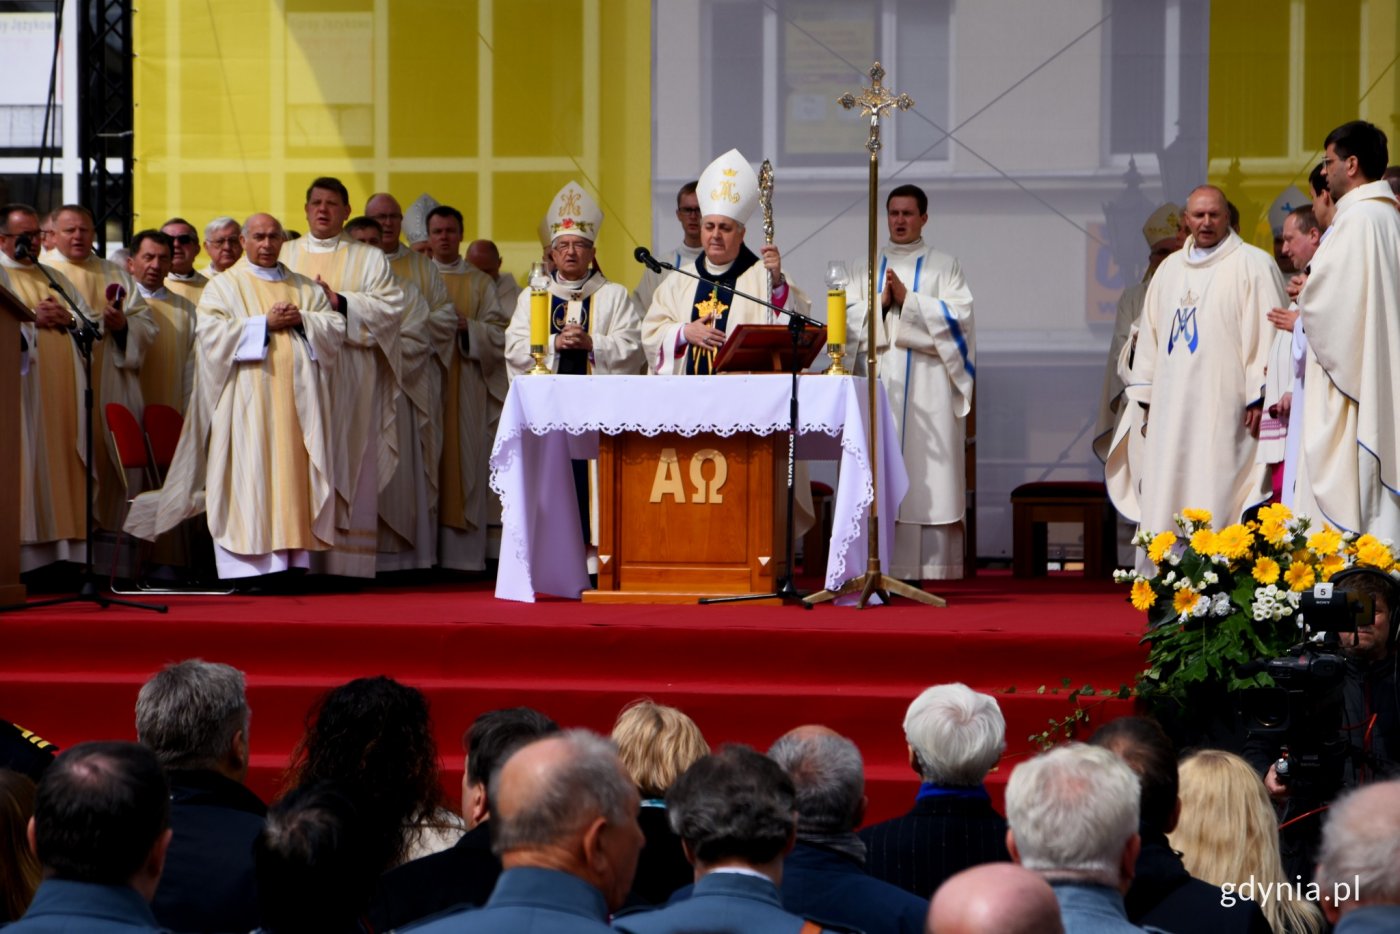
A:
564	813
1001	897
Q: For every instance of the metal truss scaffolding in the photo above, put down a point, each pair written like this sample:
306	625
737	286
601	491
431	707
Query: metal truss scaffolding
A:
105	116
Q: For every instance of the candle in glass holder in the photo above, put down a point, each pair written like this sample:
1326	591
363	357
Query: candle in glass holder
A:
539	306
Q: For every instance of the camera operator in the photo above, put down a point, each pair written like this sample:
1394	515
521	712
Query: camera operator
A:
1369	739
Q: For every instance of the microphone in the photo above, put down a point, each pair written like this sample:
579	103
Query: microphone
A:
24	247
643	256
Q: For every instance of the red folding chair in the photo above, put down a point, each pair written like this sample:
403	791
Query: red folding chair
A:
163	426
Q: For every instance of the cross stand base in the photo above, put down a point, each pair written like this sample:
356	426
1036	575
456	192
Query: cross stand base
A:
874	584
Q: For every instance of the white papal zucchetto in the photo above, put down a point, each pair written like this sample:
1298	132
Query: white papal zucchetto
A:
573	213
728	187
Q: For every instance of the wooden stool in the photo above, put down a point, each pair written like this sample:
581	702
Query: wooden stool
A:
1034	505
818	538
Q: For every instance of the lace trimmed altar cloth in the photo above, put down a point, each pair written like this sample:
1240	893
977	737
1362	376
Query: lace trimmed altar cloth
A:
548	420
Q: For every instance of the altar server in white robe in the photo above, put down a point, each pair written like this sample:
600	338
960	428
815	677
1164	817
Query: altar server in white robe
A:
684	253
256	451
927	364
1198	372
685	326
1349	469
366	382
474	389
128	331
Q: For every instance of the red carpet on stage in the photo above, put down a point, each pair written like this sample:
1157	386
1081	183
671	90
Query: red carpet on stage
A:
744	673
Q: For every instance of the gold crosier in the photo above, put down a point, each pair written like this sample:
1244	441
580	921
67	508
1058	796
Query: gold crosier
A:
874	102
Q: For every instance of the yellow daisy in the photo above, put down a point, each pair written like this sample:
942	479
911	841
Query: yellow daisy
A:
1300	576
1203	540
1162	543
1266	571
1275	512
1199	516
1183	601
1143	596
1234	541
1325	542
1370	551
1274	531
1331	564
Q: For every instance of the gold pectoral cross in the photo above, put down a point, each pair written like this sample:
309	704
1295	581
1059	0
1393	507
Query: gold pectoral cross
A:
711	306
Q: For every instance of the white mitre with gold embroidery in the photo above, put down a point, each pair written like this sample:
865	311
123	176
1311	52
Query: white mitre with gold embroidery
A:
1163	224
728	187
415	219
573	213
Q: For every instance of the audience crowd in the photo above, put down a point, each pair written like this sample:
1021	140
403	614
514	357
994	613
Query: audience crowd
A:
652	831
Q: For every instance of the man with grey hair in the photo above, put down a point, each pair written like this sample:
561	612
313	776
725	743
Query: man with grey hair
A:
824	876
1073	813
223	240
734	812
955	736
194	716
564	819
1356	868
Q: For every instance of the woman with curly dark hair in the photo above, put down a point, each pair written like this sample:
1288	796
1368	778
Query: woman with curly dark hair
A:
373	737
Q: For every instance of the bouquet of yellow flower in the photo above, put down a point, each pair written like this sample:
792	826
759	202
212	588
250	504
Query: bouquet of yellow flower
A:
1220	599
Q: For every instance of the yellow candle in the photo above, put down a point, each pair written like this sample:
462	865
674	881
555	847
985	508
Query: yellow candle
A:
836	316
539	317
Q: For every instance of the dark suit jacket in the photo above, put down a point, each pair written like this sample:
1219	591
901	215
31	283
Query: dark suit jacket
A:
939	837
538	901
63	907
462	875
721	901
208	883
662	868
1164	895
833	887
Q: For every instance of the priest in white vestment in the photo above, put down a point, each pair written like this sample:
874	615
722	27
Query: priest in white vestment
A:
367	379
408	503
167	375
927	364
1349	468
1198	372
52	460
224	241
474	390
183	279
484	255
256	452
128	331
681	255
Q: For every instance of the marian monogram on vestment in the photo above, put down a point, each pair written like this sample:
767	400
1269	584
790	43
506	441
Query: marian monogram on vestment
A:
1184	327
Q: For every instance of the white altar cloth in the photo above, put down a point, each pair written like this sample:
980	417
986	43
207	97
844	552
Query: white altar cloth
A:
547	420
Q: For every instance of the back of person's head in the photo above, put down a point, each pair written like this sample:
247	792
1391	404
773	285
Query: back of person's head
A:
1361	847
190	712
1363	140
100	811
1144	745
656	743
1228	832
496	734
829	778
547	797
373	737
19	869
956	734
315	868
995	897
1073	811
734	804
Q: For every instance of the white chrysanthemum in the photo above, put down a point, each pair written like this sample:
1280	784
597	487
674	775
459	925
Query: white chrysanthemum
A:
1202	607
1143	538
1210	577
1171	576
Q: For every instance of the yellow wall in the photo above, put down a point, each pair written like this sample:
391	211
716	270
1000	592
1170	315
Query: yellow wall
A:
488	105
1283	74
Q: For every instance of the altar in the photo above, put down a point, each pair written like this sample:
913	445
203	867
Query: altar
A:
547	421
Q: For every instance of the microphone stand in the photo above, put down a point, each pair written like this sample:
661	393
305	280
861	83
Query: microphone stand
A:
85	335
797	322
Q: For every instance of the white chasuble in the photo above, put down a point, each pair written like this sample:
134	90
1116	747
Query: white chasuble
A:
927	364
613	320
257	451
168	373
365	389
118	379
1349	468
681	257
474	389
1203	342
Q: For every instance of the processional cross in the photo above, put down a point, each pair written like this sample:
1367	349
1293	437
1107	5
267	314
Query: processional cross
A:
874	102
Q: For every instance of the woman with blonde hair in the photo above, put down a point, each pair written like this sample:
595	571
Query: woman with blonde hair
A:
656	744
1228	834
